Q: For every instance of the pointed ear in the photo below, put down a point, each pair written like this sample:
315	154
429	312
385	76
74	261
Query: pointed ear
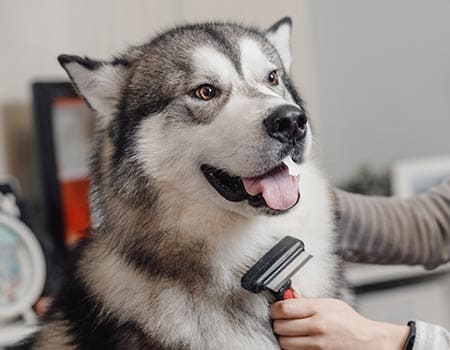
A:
279	36
98	82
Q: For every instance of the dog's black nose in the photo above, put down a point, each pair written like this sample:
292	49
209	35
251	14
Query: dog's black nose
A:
286	124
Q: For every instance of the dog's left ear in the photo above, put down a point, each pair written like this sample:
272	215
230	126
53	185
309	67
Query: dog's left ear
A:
98	82
279	35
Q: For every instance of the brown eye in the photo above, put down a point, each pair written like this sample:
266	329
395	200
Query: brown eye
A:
205	92
273	78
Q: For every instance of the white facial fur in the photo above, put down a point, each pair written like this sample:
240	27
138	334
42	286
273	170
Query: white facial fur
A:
256	66
210	63
235	140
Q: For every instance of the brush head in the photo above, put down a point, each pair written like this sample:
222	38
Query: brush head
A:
276	268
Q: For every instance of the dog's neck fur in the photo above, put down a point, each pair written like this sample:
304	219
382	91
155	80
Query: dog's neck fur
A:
199	230
188	277
141	225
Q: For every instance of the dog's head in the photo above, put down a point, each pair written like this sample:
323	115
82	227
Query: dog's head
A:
204	113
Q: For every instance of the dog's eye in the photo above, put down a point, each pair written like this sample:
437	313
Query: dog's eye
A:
205	92
272	78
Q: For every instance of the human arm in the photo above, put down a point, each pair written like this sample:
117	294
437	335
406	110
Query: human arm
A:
393	230
330	324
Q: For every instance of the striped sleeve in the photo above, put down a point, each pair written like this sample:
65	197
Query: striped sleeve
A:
429	336
389	230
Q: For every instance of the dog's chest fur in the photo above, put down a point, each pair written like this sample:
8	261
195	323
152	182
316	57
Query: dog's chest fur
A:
197	310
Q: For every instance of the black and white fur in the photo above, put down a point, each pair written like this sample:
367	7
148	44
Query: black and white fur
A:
163	268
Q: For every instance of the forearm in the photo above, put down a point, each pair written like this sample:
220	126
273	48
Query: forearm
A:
395	231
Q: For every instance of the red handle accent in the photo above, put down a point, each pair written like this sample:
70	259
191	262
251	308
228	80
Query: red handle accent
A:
288	294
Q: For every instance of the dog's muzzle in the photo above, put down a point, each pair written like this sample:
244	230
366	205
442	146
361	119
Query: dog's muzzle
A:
276	188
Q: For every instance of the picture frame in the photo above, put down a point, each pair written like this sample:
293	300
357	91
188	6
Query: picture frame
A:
416	175
62	122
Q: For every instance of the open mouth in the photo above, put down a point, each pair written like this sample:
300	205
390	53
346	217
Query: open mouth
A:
276	189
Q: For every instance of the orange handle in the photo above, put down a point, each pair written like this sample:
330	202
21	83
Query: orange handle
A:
288	294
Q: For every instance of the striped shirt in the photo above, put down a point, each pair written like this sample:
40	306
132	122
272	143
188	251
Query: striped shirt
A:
413	231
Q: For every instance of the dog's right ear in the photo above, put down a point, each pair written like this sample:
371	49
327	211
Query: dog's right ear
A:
98	82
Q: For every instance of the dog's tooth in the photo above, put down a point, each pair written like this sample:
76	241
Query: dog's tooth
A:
294	168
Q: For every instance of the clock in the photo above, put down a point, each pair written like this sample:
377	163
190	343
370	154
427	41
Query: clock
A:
22	273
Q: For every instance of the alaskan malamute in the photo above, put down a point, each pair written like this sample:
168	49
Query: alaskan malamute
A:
190	188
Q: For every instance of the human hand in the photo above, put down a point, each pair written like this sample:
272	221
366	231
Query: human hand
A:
331	324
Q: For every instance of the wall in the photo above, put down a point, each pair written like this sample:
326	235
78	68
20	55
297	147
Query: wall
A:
33	33
383	80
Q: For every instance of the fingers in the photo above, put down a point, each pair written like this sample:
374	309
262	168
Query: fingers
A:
296	294
295	327
292	308
295	343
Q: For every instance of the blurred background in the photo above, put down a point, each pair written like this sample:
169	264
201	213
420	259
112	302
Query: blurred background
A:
375	75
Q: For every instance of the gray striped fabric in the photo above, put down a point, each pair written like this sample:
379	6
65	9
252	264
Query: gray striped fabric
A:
399	231
382	230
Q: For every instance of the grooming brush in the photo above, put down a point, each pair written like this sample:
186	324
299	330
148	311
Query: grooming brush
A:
273	272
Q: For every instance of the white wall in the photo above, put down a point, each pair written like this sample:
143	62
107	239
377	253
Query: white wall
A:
383	69
33	33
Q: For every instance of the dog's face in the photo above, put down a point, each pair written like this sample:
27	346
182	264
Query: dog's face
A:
206	112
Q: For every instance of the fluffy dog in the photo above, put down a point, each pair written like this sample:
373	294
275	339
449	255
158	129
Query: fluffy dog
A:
190	187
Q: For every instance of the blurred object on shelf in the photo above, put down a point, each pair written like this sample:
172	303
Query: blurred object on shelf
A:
366	181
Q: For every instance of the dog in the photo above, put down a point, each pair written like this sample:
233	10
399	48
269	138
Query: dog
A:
190	186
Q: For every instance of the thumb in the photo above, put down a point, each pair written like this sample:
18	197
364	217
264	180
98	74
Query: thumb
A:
296	293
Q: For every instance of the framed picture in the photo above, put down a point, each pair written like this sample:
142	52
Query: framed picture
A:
414	176
63	130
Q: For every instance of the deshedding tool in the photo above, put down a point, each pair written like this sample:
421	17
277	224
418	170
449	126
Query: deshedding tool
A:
276	268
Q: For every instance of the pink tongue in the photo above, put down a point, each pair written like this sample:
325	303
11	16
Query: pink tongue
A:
279	189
